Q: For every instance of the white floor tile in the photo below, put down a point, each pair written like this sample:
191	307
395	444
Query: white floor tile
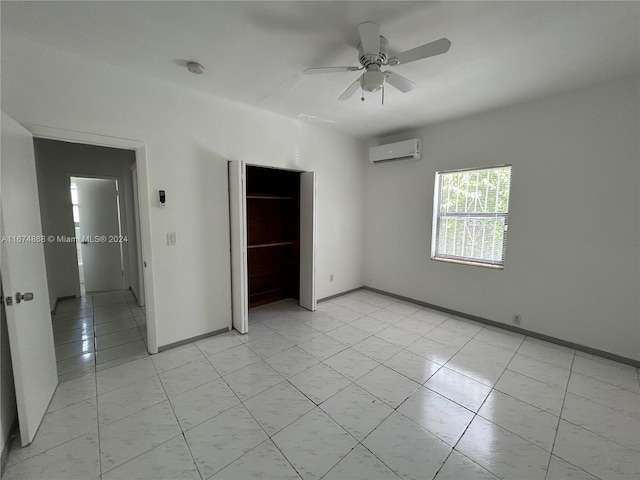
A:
397	336
595	454
176	357
74	391
57	428
533	392
561	470
605	394
616	426
461	389
322	346
122	375
459	467
217	343
356	410
253	379
319	382
541	371
432	350
412	366
388	385
203	403
279	406
348	334
264	461
314	455
220	441
360	464
291	362
187	377
77	459
477	367
351	363
233	359
526	421
126	439
117	404
442	417
401	444
369	324
547	352
269	345
383	350
623	376
503	453
171	460
377	349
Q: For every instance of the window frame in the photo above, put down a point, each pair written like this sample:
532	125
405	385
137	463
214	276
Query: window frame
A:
436	215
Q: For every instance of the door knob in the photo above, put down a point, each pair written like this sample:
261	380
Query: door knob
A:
24	296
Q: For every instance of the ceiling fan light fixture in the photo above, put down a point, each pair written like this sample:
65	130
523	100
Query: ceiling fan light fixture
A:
195	67
372	80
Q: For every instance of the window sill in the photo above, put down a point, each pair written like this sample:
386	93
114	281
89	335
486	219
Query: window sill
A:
468	262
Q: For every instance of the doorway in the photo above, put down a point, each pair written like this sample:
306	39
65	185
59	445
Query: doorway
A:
99	233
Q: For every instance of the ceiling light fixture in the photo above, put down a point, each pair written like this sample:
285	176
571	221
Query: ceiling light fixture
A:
195	67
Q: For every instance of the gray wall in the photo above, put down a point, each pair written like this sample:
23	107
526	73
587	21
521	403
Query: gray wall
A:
55	162
572	258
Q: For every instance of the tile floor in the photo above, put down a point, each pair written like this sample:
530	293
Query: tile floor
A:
367	387
98	331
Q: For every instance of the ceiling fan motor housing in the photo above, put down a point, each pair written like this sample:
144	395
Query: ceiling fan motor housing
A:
367	60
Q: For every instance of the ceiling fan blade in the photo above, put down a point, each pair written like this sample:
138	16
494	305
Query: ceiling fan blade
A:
348	93
370	37
428	50
401	83
313	71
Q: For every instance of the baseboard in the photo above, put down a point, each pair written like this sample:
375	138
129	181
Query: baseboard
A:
55	306
192	339
339	294
7	445
503	326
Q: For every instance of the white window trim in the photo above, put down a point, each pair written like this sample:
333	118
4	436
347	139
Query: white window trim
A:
435	224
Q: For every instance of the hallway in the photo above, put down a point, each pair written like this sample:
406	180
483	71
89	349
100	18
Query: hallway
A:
98	331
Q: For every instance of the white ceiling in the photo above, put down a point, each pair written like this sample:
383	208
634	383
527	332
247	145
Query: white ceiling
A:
254	52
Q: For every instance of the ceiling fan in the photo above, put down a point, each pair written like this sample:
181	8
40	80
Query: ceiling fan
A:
372	54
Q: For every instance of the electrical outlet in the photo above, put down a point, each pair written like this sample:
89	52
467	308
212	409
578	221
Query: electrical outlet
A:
331	277
517	319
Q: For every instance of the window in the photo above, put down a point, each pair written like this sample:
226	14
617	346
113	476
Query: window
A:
470	213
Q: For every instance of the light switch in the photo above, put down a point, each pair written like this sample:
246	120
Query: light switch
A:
172	238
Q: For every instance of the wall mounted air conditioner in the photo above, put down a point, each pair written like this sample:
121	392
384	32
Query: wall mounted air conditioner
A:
393	152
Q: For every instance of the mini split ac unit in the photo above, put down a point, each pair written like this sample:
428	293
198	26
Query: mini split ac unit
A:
393	152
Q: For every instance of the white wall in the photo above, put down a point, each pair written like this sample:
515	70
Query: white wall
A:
573	252
189	138
55	162
8	409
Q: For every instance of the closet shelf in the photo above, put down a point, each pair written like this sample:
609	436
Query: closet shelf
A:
268	197
262	245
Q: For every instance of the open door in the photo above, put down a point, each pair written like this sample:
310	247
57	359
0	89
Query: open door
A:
308	240
99	226
238	227
24	281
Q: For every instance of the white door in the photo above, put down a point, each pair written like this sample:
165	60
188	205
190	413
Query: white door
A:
99	233
238	227
23	270
308	240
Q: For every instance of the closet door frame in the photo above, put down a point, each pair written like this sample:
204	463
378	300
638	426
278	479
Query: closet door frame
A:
238	241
